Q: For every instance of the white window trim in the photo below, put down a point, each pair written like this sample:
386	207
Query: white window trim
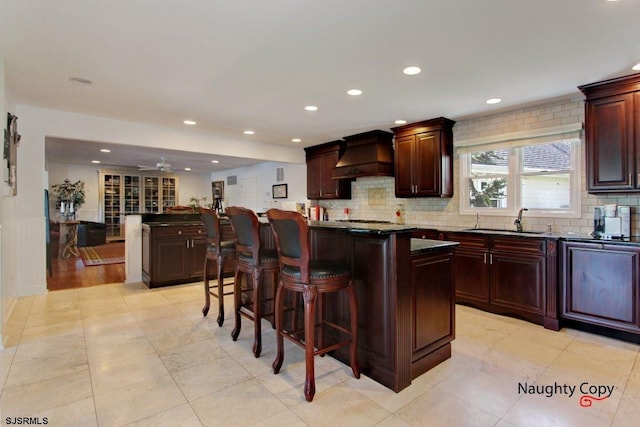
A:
570	132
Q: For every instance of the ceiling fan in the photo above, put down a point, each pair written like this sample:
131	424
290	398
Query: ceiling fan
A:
161	166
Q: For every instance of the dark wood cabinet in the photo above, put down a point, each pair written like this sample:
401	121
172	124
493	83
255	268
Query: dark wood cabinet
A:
600	285
518	275
424	159
432	309
321	159
507	275
471	267
175	254
612	114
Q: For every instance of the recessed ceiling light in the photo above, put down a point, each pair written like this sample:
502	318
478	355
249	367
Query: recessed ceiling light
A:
354	92
412	71
187	169
95	161
296	140
189	122
215	161
249	132
105	150
81	80
494	101
636	67
311	108
400	122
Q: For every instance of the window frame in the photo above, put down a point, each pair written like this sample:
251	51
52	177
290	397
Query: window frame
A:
514	181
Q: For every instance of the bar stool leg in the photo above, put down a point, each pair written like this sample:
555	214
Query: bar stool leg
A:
257	312
220	289
207	295
320	310
353	308
236	304
276	280
277	363
310	294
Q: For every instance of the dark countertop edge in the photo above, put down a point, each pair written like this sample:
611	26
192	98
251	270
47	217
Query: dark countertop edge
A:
570	237
358	227
419	246
172	224
635	240
396	228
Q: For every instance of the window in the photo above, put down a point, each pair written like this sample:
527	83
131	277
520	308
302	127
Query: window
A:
540	173
488	179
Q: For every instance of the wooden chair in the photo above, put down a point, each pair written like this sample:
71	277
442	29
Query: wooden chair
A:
218	250
254	261
300	274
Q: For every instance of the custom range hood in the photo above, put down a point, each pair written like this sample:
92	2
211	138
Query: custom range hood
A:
366	154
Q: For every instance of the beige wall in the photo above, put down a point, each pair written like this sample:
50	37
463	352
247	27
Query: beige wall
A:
434	212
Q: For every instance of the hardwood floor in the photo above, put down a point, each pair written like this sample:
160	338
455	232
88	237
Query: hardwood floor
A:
71	273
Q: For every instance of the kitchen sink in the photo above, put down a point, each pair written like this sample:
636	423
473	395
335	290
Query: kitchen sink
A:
502	231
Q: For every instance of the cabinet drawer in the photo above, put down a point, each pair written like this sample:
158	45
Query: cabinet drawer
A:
467	240
519	244
179	231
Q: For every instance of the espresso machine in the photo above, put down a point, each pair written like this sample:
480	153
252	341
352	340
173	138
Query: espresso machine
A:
611	222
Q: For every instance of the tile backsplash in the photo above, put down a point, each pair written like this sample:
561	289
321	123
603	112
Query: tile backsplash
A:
374	197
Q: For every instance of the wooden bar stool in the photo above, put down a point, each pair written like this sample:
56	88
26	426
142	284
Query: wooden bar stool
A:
254	261
298	273
218	250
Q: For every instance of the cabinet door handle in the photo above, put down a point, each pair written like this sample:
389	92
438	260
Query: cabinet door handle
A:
187	244
490	258
638	178
485	257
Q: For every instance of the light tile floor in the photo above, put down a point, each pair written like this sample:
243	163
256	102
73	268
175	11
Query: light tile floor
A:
117	355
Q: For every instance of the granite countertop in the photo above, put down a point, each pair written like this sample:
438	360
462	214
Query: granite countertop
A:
574	237
364	227
419	246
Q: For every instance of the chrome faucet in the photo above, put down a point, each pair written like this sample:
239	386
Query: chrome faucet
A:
518	221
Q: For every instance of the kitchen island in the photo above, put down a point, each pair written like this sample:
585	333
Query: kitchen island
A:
405	296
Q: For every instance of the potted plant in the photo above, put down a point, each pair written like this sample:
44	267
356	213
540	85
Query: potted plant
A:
195	202
70	197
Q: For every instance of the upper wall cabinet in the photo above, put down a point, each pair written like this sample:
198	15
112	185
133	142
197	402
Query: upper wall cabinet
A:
612	114
321	159
424	158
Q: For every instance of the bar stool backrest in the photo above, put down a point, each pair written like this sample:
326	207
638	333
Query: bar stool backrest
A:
246	231
292	240
211	226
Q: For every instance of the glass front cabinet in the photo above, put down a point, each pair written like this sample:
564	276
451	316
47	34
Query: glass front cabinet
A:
122	193
159	193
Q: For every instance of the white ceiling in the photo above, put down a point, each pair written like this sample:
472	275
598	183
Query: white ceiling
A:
233	65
